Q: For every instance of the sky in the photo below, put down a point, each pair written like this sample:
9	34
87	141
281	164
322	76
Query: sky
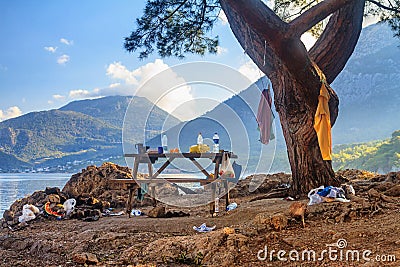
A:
54	52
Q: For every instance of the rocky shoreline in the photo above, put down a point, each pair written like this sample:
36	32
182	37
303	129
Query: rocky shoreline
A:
90	235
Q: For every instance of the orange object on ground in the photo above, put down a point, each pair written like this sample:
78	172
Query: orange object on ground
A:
322	121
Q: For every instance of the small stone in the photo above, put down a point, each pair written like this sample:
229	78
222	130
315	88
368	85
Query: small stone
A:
80	258
228	230
262	220
279	221
91	258
157	212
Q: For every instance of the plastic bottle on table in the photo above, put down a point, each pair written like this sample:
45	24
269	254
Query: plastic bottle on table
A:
199	139
164	143
216	143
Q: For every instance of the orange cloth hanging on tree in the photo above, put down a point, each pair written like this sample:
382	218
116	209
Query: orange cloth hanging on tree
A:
322	121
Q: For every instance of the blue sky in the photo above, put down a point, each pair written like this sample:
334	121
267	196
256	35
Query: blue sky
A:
53	52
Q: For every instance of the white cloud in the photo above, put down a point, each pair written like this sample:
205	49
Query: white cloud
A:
66	41
251	71
79	93
63	59
11	112
164	90
118	71
51	49
50	102
58	97
114	85
222	17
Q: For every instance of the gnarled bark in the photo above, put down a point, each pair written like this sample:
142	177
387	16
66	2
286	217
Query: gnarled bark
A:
295	81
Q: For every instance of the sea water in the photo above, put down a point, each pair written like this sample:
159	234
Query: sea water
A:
14	186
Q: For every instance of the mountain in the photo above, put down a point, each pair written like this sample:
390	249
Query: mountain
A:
10	163
111	109
369	88
82	131
90	130
376	156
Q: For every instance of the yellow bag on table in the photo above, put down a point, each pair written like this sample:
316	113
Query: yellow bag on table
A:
199	148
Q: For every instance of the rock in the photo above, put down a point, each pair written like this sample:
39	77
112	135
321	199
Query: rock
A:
237	241
383	186
85	258
79	258
157	212
394	191
8	215
268	183
95	181
53	198
52	191
262	220
228	230
91	258
279	221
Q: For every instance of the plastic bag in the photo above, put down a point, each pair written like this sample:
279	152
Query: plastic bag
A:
226	168
28	213
314	197
69	206
231	206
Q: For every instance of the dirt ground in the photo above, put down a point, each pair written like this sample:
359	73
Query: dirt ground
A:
364	232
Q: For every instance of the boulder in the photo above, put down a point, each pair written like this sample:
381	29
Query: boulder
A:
157	212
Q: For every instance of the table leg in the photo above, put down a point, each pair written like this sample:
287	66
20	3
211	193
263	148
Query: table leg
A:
212	204
227	200
135	168
132	188
150	166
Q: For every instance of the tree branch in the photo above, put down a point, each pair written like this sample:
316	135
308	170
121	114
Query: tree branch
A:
253	23
336	44
258	16
315	14
383	6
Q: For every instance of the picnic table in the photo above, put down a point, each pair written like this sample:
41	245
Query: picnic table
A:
151	158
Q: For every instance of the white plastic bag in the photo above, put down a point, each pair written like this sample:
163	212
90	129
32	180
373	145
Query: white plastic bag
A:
69	206
314	197
28	213
226	167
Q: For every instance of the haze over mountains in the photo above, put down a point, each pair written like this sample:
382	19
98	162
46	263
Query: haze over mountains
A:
87	131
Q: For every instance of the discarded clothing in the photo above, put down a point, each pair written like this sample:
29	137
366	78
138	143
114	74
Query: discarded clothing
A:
326	194
264	116
136	213
203	228
322	120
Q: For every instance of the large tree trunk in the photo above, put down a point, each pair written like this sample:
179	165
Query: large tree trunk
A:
295	81
309	170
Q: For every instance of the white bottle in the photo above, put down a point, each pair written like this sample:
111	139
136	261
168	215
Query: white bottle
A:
216	143
164	143
216	209
199	139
